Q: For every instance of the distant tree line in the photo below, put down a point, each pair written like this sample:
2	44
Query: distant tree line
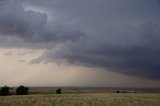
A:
21	90
126	92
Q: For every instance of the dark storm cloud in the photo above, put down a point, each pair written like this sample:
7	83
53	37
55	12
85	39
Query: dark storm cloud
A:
15	21
32	26
129	52
120	35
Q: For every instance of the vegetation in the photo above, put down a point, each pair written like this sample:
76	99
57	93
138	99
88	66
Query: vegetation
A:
5	91
89	99
78	98
58	91
22	90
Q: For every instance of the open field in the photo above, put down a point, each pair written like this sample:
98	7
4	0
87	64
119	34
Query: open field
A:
83	99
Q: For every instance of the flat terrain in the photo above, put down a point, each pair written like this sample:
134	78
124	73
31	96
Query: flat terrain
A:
83	99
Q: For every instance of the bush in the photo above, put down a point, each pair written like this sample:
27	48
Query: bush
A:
5	91
22	90
58	91
124	92
118	91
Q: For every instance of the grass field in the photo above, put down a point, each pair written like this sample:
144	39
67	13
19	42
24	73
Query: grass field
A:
85	99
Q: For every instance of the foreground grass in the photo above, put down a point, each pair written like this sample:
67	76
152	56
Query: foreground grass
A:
90	99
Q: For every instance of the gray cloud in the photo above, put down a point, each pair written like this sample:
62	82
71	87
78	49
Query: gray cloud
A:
14	20
32	26
128	51
122	36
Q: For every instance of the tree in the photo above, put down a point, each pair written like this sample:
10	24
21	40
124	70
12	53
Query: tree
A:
22	90
0	92
118	91
58	91
5	90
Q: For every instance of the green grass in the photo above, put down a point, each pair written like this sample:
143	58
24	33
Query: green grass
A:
88	99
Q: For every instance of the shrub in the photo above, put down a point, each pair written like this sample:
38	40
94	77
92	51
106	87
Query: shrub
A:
118	91
58	91
5	90
22	90
124	92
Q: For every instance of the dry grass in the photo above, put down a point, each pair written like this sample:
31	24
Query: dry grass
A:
90	99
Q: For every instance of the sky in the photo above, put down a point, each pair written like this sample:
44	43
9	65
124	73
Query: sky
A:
93	43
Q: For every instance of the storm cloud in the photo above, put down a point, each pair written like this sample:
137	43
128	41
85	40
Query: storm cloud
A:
119	35
32	26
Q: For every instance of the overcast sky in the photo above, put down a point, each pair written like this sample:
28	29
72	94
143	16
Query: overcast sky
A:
80	43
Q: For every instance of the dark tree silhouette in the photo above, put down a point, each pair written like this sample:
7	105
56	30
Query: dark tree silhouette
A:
22	90
135	91
58	91
5	90
118	91
0	92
